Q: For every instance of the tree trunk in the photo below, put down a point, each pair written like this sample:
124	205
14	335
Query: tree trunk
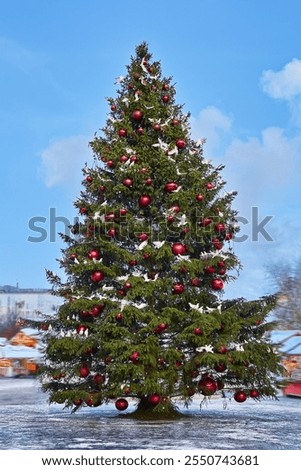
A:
147	411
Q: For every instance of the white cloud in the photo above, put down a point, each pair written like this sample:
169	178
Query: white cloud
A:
285	84
63	160
211	124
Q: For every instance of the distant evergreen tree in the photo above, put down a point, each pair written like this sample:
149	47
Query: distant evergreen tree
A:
143	315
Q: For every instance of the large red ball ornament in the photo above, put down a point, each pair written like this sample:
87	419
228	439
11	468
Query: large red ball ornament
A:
110	163
198	331
122	211
195	282
111	232
94	254
77	402
94	400
80	329
217	284
122	132
97	310
180	143
137	115
119	317
145	200
97	276
134	357
143	237
178	249
207	386
170	186
205	222
84	372
165	98
220	367
121	404
209	269
209	186
154	399
127	182
220	227
199	197
123	158
178	288
254	393
99	379
240	396
165	86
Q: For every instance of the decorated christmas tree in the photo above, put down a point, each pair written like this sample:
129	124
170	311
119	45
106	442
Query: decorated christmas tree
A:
142	315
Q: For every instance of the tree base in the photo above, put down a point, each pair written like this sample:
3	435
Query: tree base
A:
146	412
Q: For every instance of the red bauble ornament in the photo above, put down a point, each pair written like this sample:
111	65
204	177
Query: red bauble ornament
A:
133	262
121	404
140	130
110	163
119	317
170	186
254	393
209	269
99	379
240	396
127	285
178	288
170	219
127	182
198	331
137	115
207	386
93	400
222	349
175	122
123	158
97	276
217	243
111	232
97	309
205	222
102	188
122	211
145	200
209	186
146	255
154	399
199	197
122	132
94	254
157	127
80	329
165	87
143	237
134	159
165	98
176	209
228	236
83	210
217	284
220	367
220	227
134	357
113	107
180	143
110	216
178	249
77	401
89	179
84	372
195	282
148	182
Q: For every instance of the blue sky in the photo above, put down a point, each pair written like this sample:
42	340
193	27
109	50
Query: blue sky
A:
237	69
